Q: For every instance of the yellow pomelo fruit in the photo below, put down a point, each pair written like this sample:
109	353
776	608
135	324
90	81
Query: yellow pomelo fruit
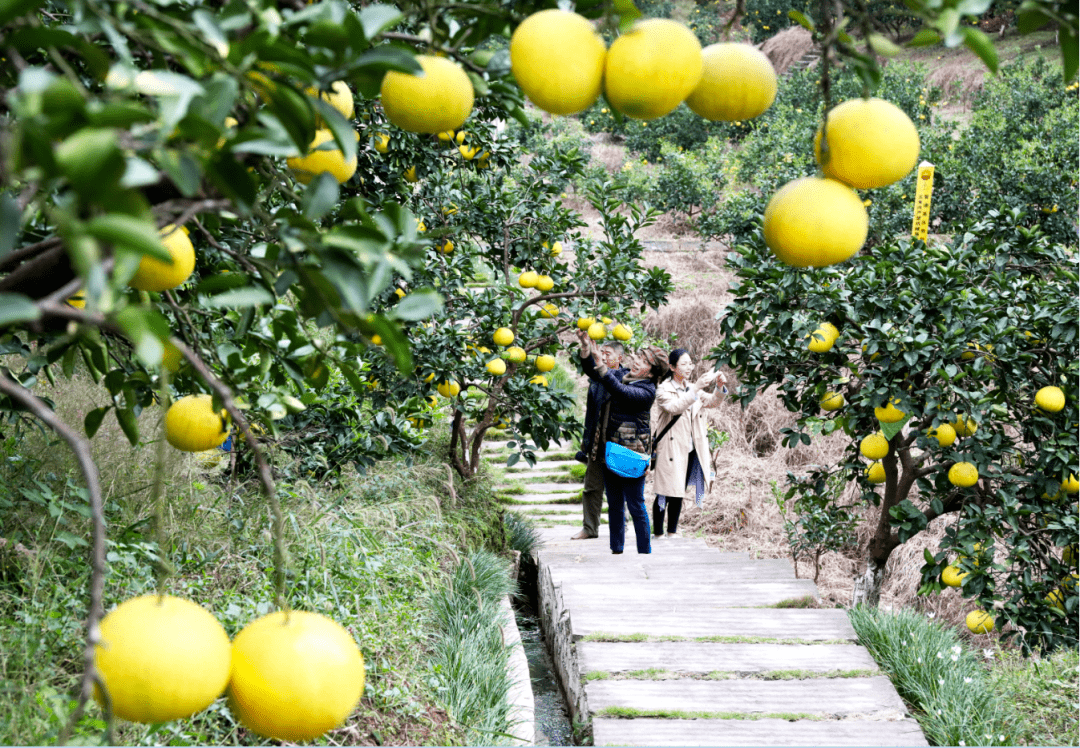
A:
890	413
875	473
963	474
496	366
979	622
1068	555
191	425
445	136
528	279
468	152
584	323
812	222
539	379
503	336
1050	399
964	426
871	143
545	362
556	249
171	358
945	434
339	96
652	68
440	99
410	175
381	142
449	388
295	675
1056	598
544	283
446	247
78	300
737	82
161	658
558	60
606	320
515	354
874	446
622	332
952	576
155	275
306	168
1070	485
832	401
597	331
549	311
823	338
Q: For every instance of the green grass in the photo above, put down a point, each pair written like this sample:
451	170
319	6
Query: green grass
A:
1038	696
521	533
807	601
366	552
661	674
938	675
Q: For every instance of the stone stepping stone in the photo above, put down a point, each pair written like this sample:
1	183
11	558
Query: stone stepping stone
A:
566	574
548	465
779	623
538	475
710	657
760	732
684	597
570	510
561	488
839	697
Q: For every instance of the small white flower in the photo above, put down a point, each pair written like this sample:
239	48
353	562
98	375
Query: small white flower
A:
939	712
988	654
957	650
968	680
961	743
954	658
941	681
940	656
1001	738
930	615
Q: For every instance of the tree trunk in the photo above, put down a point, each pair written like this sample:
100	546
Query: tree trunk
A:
867	590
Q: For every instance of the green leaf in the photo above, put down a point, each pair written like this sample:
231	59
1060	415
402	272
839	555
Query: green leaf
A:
344	134
241	297
892	429
129	424
418	305
147	330
320	197
883	46
387	58
129	232
1031	17
628	14
928	557
1070	52
93	420
9	224
801	19
11	9
980	44
377	18
221	282
14	307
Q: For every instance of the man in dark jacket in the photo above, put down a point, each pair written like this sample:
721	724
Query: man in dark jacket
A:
592	443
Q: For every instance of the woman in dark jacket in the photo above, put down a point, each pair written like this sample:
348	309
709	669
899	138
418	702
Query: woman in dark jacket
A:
628	425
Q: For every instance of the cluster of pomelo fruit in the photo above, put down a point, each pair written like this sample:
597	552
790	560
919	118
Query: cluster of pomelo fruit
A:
820	220
497	367
597	328
290	676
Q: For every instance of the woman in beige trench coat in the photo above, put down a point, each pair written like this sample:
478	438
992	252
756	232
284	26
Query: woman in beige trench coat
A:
682	456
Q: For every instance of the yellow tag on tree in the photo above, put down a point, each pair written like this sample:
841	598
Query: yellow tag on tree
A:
924	188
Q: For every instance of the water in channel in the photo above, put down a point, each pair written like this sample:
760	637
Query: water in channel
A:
552	723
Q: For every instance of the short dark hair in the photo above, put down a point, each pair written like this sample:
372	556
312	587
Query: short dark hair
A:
675	355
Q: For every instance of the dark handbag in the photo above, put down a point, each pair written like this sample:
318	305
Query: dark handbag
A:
652	461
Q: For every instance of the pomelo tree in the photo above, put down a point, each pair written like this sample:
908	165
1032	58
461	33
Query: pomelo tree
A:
958	338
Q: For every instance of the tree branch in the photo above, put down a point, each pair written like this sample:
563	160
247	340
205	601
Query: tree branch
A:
81	448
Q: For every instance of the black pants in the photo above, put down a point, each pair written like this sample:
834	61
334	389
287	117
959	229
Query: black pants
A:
674	506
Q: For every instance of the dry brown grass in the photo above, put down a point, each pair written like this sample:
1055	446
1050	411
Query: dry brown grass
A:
787	47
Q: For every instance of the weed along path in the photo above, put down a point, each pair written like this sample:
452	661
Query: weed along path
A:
692	646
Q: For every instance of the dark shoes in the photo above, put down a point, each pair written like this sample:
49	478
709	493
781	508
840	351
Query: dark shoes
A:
582	457
616	553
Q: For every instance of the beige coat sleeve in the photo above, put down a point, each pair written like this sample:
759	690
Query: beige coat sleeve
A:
673	401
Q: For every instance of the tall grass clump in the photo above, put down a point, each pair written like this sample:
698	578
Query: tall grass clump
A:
941	678
1039	695
470	655
521	533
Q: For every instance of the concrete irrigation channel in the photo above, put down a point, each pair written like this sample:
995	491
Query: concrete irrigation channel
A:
692	646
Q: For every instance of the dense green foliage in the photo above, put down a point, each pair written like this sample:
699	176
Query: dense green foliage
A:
910	319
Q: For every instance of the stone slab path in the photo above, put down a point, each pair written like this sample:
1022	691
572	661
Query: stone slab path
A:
692	646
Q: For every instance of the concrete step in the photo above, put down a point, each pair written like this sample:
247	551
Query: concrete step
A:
568	509
543	498
834	697
779	623
541	475
660	569
683	597
759	732
547	465
711	657
559	488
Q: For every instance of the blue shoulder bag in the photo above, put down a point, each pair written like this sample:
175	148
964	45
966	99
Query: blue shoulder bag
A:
625	462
